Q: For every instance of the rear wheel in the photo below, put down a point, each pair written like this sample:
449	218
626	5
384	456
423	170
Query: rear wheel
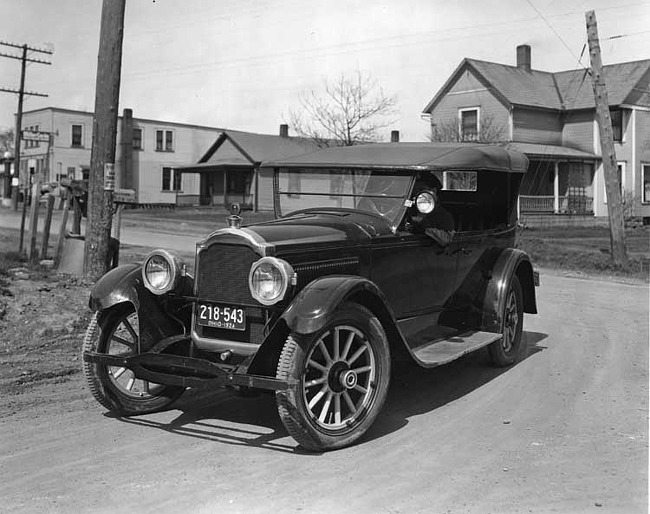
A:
117	332
338	380
510	347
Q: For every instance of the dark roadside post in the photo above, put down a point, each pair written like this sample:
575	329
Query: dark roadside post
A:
102	157
612	182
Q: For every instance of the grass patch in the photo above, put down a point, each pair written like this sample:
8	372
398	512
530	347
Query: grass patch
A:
586	250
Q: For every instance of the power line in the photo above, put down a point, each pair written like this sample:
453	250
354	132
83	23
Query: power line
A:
19	120
555	32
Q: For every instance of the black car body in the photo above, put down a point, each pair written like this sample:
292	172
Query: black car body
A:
379	252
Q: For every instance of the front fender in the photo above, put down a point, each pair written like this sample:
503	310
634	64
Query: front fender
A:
119	285
511	262
124	285
312	307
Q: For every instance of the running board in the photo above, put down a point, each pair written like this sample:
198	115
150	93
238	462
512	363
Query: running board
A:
443	351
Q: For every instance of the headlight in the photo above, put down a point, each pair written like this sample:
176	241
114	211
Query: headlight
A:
425	202
161	270
269	280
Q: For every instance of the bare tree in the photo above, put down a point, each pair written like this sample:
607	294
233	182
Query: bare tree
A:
448	130
353	110
6	140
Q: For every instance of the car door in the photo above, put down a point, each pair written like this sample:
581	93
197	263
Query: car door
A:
417	275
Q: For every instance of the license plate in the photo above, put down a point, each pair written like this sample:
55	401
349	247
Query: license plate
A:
221	316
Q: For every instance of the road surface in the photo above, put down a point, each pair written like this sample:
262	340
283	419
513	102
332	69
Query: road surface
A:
564	431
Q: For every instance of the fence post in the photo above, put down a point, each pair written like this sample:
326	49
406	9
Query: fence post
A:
62	234
46	226
33	220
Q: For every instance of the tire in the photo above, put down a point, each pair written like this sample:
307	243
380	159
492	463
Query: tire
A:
338	380
117	332
509	349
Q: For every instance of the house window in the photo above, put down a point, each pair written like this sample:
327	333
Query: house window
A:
616	116
164	141
617	125
171	179
294	184
137	139
620	171
33	132
468	121
645	179
77	136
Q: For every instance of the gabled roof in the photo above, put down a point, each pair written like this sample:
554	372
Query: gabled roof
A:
255	148
627	83
411	156
566	90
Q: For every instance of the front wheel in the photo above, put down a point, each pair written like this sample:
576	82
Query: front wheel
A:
510	347
338	380
117	332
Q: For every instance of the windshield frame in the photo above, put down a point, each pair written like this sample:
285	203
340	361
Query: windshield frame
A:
394	220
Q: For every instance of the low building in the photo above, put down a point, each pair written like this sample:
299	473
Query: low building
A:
229	171
551	117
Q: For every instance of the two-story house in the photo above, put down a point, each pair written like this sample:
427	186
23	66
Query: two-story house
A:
159	162
551	117
57	145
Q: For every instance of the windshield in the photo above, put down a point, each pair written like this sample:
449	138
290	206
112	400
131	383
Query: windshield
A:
378	192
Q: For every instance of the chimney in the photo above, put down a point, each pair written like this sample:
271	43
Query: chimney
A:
284	130
394	136
523	57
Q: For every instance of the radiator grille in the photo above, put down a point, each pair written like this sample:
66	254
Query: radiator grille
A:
222	274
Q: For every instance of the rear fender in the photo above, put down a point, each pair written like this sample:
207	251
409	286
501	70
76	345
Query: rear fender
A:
511	262
124	285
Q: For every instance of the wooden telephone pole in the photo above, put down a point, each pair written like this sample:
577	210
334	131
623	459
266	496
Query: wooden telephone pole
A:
24	177
102	157
612	182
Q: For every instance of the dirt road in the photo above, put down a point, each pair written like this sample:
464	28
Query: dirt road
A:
564	431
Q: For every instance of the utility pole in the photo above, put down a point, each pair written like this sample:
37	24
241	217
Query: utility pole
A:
102	158
612	182
19	118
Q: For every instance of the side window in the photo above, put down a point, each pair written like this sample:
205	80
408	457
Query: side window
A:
468	120
645	198
294	184
137	139
77	136
171	179
459	181
164	140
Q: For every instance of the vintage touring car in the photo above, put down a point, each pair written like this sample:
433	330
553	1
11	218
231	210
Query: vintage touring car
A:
378	252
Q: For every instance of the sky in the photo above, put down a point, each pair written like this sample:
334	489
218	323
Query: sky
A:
244	64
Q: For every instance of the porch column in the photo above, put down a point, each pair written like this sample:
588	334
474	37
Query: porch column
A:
225	188
556	188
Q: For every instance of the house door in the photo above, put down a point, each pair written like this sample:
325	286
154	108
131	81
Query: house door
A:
239	186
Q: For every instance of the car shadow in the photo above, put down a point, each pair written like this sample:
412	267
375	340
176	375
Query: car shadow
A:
415	390
226	417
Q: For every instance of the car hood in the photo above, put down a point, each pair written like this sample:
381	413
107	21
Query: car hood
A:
322	229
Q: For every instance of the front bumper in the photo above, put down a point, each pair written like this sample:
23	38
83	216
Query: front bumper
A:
176	370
